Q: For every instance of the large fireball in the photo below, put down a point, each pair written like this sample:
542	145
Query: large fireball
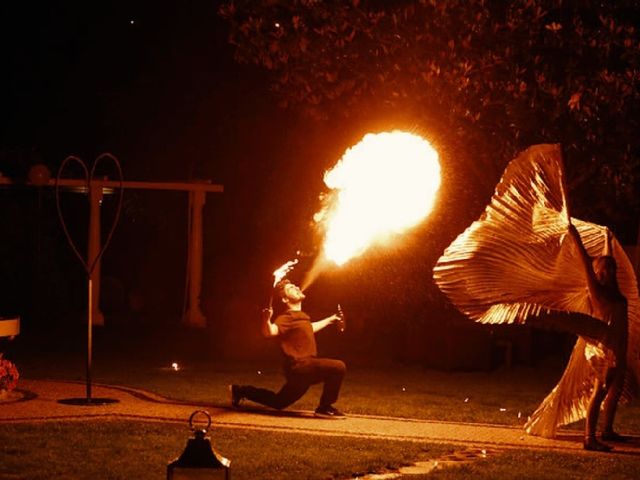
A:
384	185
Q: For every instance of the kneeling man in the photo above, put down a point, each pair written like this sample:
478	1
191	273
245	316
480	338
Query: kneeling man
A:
302	368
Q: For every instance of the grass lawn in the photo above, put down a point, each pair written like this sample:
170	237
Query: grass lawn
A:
119	450
536	465
112	449
504	396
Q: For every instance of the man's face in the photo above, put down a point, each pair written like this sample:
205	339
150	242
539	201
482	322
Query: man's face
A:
292	293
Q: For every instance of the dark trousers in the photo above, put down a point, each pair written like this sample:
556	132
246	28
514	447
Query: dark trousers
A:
300	375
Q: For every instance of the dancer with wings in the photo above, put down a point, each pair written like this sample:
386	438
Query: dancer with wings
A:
526	256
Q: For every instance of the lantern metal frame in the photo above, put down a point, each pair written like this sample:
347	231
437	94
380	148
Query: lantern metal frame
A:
199	455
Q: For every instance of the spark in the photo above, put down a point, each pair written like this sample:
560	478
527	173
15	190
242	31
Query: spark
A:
175	366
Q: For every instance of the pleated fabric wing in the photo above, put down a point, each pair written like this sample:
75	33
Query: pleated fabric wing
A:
517	262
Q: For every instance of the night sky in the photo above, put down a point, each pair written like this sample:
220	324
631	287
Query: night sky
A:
142	79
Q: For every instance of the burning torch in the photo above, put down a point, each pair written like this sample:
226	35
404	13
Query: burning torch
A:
279	274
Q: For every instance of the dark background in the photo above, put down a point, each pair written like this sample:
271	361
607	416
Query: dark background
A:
155	84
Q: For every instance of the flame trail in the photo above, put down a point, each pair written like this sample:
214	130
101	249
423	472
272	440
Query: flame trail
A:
384	185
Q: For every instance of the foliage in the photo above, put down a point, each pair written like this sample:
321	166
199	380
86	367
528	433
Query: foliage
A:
8	375
490	77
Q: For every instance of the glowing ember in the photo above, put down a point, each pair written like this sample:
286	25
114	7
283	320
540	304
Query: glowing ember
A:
175	367
383	185
282	271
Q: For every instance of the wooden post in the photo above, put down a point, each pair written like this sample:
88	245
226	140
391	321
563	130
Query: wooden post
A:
197	192
195	317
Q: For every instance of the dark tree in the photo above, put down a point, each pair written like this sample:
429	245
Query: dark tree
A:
485	79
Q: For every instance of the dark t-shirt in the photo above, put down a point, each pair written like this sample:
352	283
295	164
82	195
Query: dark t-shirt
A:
296	335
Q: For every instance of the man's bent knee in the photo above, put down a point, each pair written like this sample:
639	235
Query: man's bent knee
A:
339	366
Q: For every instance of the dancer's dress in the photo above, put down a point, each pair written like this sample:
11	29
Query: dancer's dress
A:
517	262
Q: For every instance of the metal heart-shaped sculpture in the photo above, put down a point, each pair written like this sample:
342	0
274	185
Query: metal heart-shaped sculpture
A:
88	264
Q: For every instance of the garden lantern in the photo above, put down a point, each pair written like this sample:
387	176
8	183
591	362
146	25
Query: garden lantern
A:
199	460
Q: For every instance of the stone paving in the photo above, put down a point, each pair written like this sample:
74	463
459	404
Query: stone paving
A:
38	401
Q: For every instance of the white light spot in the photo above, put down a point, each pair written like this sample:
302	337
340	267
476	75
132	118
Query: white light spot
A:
382	186
175	366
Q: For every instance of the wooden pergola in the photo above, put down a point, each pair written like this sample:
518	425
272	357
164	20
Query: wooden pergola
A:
97	188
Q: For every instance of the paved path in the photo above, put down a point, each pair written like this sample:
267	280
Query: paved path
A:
39	403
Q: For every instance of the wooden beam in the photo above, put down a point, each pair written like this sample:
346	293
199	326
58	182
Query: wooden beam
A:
197	191
201	186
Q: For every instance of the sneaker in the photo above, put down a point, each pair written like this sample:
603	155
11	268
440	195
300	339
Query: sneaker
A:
328	412
235	395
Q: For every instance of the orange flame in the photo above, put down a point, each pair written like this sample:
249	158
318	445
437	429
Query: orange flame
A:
383	185
281	272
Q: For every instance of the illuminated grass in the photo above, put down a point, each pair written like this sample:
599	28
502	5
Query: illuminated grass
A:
536	465
109	449
115	449
477	397
119	450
